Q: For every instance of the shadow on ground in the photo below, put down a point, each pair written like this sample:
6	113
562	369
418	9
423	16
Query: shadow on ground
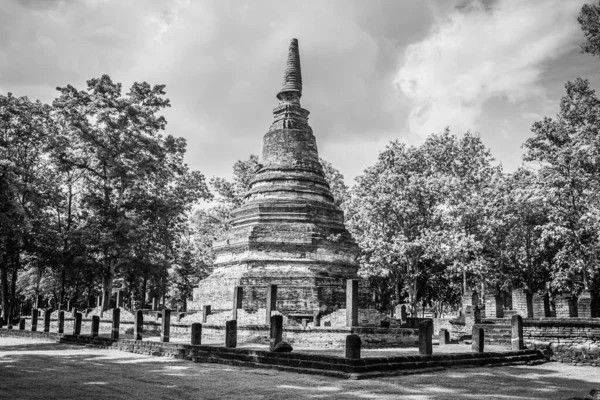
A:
31	369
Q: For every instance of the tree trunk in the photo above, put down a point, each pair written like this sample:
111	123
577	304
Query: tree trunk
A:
13	287
144	287
4	283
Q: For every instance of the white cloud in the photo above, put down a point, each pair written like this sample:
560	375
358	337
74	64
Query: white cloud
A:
483	51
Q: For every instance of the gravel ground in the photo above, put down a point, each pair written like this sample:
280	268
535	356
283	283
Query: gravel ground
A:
38	369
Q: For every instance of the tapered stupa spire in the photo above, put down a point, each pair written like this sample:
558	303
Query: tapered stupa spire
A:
292	78
288	231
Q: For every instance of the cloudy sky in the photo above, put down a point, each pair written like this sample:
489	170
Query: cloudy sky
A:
373	70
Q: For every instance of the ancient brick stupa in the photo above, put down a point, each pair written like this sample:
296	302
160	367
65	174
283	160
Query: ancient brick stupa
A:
288	231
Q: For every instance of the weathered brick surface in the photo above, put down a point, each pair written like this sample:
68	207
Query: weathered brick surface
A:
572	340
522	302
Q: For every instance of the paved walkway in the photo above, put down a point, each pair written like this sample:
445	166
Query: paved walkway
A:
37	369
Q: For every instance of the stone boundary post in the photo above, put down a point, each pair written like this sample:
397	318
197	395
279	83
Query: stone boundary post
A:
352	302
353	343
77	324
403	314
238	293
517	333
138	325
95	326
271	302
231	334
541	305
522	301
317	318
69	306
116	324
276	332
585	305
22	324
61	322
38	302
494	307
165	332
154	304
478	338
47	315
34	320
425	337
120	296
205	313
565	306
444	337
196	334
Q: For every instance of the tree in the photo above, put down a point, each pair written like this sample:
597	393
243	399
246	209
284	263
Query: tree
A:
567	150
335	179
397	216
24	187
128	167
419	210
589	19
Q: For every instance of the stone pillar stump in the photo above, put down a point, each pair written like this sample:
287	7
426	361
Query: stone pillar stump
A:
231	334
276	332
444	337
584	305
238	295
166	325
95	326
138	325
116	324
61	322
205	313
425	337
271	302
477	340
565	306
517	333
196	334
541	305
352	302
34	320
353	344
77	324
522	302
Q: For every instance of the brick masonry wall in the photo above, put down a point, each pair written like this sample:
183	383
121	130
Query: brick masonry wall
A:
573	340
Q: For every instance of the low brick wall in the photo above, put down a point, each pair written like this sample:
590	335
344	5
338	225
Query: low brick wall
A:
320	336
572	340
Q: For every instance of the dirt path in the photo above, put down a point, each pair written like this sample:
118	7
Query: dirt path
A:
36	369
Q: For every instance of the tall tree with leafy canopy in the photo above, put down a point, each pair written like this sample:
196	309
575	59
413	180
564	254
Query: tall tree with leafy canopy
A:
589	19
567	150
116	141
25	186
421	207
397	218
